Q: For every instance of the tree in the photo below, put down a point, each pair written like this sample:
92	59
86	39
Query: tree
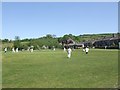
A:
54	36
17	38
49	36
17	43
5	40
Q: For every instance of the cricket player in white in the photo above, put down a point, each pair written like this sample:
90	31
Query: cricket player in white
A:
86	50
64	49
13	50
5	50
69	52
16	49
31	50
54	49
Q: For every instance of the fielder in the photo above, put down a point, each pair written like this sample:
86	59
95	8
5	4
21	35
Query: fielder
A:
86	50
69	52
16	49
13	50
5	50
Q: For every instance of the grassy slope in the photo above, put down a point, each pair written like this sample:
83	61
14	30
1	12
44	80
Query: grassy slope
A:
46	69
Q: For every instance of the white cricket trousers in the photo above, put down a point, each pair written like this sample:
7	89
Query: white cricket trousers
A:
69	55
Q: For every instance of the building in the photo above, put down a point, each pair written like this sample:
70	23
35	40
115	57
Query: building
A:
107	42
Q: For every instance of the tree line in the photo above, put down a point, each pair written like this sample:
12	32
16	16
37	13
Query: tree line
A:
49	41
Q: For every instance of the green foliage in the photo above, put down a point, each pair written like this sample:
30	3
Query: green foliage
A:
51	40
5	40
24	45
8	45
17	43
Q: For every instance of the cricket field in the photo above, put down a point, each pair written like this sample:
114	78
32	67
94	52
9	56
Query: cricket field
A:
52	69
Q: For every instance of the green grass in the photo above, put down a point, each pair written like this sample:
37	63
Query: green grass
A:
52	69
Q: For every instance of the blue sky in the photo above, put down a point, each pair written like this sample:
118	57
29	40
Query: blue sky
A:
33	20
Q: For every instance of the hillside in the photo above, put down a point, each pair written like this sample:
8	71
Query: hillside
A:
50	41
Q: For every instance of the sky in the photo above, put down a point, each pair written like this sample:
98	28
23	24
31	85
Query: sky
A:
36	19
